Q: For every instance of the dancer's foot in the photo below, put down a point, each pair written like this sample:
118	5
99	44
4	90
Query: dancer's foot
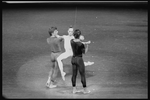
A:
88	63
74	90
86	91
48	83
52	86
54	81
63	75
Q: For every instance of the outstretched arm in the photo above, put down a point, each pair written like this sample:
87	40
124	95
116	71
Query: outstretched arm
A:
88	42
82	38
58	36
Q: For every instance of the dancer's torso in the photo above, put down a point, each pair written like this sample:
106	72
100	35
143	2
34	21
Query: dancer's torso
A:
55	44
67	44
78	48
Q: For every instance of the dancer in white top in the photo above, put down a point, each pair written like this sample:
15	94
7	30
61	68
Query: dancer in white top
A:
68	50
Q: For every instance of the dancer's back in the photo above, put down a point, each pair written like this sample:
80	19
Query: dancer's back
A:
78	48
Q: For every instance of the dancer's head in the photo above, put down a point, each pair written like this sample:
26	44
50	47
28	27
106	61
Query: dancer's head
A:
70	31
77	33
53	31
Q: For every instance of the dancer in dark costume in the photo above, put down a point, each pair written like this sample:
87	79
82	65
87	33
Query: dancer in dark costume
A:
78	49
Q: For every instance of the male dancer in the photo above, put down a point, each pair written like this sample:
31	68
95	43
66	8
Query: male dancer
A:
68	50
55	49
77	61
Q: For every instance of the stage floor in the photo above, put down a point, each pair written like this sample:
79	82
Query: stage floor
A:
118	49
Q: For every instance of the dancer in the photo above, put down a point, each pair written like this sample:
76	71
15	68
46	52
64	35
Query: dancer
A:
55	49
68	50
77	61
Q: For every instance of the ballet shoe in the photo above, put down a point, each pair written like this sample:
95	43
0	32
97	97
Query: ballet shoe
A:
48	84
63	75
86	91
52	86
74	91
88	63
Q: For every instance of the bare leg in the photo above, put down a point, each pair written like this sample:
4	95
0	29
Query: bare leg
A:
50	74
54	75
60	64
49	77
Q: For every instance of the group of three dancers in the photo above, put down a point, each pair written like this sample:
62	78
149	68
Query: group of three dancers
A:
74	47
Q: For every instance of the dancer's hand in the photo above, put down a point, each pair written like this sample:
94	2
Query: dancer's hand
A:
88	42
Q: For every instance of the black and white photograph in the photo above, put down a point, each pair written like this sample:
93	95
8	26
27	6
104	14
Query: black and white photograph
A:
75	49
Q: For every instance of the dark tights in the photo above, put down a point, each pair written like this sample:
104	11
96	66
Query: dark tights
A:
78	64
